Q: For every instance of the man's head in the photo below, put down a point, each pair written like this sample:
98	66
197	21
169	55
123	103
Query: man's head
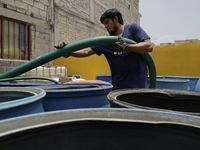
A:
111	19
110	14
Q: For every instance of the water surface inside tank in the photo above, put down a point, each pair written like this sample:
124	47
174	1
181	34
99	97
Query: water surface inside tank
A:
6	96
186	103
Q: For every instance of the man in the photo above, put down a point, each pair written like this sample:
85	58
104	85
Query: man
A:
128	68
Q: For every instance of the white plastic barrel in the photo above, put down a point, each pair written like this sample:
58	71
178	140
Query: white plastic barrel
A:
40	71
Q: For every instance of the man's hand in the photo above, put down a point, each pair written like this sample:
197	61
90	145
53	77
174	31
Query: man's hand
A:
120	45
60	45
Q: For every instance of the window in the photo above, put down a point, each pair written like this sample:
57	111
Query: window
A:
14	39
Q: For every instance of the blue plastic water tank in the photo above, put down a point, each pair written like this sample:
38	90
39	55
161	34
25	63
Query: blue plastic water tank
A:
168	100
18	101
74	96
104	77
192	80
178	84
104	129
197	87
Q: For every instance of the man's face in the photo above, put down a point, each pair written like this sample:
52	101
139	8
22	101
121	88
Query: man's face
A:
111	26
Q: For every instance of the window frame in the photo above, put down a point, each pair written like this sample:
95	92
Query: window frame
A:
27	43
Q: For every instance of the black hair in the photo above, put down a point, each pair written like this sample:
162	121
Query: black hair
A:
110	14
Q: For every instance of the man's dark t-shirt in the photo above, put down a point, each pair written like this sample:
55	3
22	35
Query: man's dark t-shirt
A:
128	70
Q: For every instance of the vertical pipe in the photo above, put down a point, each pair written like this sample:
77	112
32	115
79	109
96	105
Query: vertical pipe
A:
2	38
19	42
8	40
29	42
14	38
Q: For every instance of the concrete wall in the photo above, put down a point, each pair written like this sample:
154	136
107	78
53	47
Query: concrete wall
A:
80	19
83	21
55	21
38	13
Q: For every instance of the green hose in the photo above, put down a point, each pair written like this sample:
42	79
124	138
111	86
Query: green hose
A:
150	64
27	78
102	40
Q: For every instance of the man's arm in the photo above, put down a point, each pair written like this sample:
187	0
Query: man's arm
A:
82	53
142	47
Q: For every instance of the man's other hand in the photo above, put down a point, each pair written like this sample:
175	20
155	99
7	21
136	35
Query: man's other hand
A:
120	45
60	45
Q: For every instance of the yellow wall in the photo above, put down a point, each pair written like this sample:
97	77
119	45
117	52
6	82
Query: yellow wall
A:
177	60
88	67
170	60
